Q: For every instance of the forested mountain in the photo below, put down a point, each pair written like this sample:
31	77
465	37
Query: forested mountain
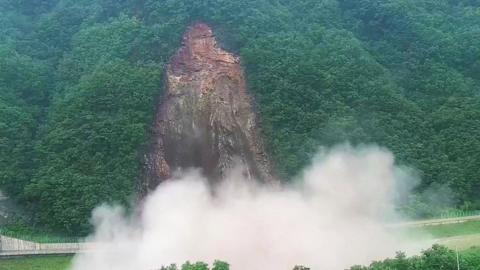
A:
79	80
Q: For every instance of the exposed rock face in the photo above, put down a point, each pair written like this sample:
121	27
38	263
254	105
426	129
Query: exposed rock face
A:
206	118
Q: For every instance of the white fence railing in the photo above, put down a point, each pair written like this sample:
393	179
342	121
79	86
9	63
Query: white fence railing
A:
11	246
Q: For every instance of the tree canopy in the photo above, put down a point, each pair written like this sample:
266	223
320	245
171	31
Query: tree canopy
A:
79	81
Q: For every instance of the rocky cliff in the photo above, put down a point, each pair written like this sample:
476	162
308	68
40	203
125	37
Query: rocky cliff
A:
206	118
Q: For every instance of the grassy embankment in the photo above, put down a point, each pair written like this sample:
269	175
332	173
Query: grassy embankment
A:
450	230
36	263
460	235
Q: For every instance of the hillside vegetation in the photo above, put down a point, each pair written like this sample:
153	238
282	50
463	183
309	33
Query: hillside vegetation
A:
79	80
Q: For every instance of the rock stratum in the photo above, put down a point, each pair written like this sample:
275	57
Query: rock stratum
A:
206	118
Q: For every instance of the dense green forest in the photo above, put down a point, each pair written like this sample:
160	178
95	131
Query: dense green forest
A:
79	80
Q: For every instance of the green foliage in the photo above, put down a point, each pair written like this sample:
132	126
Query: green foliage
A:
23	94
36	263
195	266
217	265
97	160
301	268
79	81
435	258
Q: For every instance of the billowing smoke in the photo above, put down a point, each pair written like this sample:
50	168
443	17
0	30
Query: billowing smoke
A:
336	214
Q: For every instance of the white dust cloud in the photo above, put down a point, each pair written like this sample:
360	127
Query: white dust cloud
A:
334	216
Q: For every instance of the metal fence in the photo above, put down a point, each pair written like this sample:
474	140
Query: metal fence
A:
15	243
41	237
458	214
12	247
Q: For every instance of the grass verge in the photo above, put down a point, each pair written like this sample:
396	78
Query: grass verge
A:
36	263
449	230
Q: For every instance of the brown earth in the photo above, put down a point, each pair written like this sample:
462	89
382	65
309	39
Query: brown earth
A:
205	119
